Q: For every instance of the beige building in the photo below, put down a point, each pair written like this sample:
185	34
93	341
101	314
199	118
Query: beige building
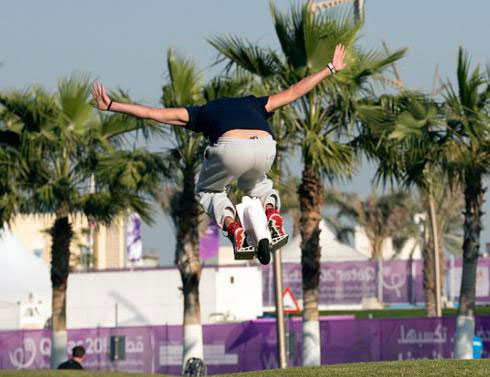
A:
108	243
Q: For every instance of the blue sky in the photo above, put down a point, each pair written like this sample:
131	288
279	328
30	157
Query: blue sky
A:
123	43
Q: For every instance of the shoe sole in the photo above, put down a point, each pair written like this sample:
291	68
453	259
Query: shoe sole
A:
245	253
279	242
263	251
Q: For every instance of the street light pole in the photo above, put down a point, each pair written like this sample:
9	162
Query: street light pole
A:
281	334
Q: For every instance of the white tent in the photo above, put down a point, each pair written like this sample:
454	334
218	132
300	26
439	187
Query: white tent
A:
21	274
332	249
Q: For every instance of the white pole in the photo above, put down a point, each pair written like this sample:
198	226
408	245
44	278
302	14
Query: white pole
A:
281	334
91	234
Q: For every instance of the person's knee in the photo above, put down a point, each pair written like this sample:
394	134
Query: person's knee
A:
216	205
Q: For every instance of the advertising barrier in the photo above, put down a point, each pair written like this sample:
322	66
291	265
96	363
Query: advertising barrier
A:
247	346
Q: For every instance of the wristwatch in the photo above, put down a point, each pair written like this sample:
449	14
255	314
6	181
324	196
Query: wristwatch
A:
331	68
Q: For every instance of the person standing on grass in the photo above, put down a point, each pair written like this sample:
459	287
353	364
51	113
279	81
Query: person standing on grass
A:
242	148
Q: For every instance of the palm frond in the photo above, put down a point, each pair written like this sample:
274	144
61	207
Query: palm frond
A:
133	171
371	64
258	61
185	81
75	109
107	206
32	109
228	86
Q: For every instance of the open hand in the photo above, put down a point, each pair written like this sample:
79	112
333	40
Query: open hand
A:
102	100
338	57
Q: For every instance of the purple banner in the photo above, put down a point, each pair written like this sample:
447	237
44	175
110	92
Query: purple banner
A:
482	330
347	283
340	283
139	353
418	339
25	349
247	346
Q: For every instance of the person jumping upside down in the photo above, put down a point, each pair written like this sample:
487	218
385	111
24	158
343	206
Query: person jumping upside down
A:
241	147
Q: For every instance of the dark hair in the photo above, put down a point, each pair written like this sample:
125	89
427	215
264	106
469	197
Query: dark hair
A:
78	351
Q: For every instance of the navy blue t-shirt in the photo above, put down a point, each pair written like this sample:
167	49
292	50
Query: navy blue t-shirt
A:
224	114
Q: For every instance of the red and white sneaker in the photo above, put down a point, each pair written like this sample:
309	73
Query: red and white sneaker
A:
236	234
275	222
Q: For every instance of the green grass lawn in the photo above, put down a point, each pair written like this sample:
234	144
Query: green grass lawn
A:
398	313
446	368
392	313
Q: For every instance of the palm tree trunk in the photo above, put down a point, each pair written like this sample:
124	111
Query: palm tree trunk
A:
436	252
61	234
311	198
428	274
442	260
442	263
429	267
377	256
429	278
377	249
187	260
465	327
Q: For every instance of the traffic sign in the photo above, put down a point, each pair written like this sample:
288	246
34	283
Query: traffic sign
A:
289	302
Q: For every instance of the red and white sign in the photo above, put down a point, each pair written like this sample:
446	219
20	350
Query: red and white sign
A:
289	302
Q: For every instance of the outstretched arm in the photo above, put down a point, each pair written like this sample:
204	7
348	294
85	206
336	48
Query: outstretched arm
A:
308	83
176	116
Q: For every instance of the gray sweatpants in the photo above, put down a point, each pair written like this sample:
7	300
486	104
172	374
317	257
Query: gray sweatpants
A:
248	161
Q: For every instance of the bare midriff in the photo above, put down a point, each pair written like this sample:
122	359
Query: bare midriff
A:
246	134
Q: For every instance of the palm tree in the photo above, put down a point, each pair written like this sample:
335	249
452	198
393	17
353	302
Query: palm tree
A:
407	143
62	145
183	160
418	147
381	217
10	170
307	42
467	160
387	216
